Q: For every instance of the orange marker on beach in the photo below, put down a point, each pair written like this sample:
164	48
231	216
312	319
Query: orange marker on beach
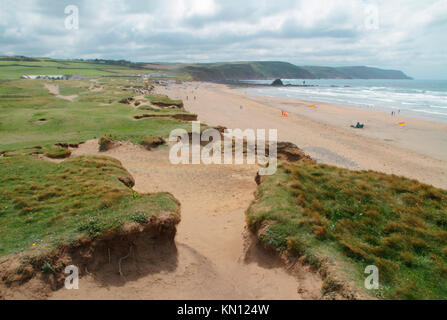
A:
401	124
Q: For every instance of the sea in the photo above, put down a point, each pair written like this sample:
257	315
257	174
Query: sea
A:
425	99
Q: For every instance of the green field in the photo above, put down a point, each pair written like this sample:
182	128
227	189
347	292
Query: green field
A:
358	219
15	69
45	204
24	103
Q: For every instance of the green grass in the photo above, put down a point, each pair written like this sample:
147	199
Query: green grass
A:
57	152
43	204
47	204
359	218
15	69
24	103
163	100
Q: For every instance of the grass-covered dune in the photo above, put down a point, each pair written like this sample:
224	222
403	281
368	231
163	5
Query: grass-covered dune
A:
44	205
79	212
354	219
51	213
38	196
164	101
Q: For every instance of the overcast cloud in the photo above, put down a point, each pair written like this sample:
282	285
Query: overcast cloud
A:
409	35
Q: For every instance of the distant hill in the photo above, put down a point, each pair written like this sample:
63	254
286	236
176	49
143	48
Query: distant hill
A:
359	72
275	69
15	67
246	71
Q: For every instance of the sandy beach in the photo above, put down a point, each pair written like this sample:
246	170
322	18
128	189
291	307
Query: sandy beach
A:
417	150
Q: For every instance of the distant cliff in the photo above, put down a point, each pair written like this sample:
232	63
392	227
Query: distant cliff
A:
246	71
230	71
359	72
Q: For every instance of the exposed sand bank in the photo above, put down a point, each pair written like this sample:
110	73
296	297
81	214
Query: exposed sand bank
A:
215	258
418	150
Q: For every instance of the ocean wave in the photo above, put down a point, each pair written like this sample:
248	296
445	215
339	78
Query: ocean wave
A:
430	99
430	112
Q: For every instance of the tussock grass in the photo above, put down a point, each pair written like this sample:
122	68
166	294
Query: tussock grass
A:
164	101
360	217
152	142
105	143
56	152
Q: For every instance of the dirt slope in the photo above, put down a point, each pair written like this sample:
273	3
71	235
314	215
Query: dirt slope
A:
214	256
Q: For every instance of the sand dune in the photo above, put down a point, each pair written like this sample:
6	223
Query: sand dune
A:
215	257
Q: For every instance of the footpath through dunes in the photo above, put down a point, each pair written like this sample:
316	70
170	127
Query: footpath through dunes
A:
417	151
215	257
54	89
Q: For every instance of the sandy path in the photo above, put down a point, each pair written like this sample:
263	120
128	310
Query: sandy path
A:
212	261
54	89
418	151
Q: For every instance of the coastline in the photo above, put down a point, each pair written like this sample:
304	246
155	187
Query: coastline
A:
421	99
324	132
414	136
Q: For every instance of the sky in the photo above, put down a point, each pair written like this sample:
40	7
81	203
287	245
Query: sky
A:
408	35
